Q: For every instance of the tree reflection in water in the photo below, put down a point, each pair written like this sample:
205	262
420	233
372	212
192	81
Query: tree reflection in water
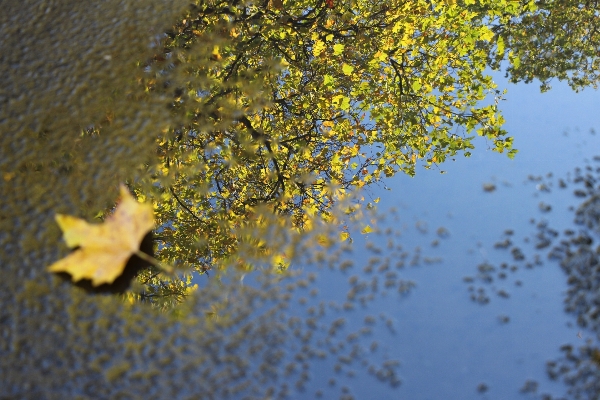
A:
71	67
578	253
579	258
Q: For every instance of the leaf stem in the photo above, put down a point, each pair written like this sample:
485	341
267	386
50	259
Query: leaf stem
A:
164	267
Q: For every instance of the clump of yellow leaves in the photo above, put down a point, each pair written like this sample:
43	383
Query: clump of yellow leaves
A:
105	248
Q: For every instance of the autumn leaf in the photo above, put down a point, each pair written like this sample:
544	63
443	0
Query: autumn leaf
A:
338	49
105	248
366	229
347	69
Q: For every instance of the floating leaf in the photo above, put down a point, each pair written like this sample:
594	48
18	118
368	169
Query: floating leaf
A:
105	248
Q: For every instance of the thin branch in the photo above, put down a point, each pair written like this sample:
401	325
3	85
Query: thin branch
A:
182	204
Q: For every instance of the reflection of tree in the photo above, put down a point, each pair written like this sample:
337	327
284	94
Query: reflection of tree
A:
579	368
58	342
560	41
299	103
579	258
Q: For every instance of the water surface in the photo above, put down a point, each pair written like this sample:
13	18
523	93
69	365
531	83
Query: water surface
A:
450	346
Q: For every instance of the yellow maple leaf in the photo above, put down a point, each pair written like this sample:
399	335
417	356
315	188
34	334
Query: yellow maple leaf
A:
105	248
